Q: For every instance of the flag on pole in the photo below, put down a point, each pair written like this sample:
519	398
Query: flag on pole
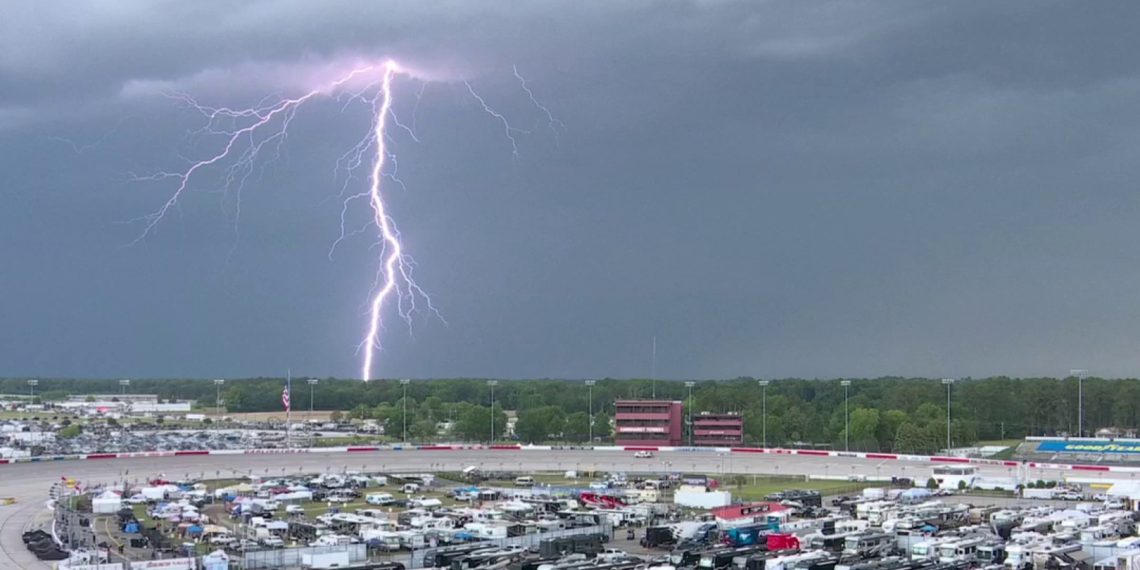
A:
285	397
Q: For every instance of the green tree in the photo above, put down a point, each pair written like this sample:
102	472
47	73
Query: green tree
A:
889	423
423	429
912	438
474	423
603	426
540	424
577	427
865	426
360	412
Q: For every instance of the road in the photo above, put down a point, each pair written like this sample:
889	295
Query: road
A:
30	482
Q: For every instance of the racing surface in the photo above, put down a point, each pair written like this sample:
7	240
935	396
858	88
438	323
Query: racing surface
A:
29	483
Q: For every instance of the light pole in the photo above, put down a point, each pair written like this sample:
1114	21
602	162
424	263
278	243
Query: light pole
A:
690	385
846	415
32	390
123	386
1080	373
492	384
312	382
948	382
404	382
218	396
764	410
590	389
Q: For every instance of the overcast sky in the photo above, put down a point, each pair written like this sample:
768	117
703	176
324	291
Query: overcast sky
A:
771	189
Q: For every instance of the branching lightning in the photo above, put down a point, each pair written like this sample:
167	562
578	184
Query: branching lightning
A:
249	133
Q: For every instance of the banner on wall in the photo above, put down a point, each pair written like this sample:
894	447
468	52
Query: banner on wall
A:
1062	446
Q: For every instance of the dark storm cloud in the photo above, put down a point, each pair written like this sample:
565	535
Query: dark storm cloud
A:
778	188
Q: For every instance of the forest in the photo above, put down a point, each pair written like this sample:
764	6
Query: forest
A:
905	415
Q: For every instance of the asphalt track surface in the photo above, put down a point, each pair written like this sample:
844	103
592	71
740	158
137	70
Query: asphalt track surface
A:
29	483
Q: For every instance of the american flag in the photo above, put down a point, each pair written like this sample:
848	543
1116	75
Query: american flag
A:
285	397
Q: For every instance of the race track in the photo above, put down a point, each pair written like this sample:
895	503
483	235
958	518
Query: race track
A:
30	482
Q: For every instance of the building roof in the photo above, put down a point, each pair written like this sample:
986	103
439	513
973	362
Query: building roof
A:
747	510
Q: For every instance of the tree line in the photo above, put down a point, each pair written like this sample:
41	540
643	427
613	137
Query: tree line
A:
906	415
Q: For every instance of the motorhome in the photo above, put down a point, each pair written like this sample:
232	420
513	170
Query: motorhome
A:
990	552
868	545
524	481
795	560
723	558
959	550
927	549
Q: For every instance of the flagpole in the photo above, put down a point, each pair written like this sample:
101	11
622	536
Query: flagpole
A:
289	409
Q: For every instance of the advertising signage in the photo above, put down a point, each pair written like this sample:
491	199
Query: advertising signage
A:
1062	446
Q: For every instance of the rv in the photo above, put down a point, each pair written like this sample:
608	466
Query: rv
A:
868	545
723	558
959	550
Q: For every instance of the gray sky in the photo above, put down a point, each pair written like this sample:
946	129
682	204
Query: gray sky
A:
771	188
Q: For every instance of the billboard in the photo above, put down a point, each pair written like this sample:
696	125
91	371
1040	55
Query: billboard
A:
1062	446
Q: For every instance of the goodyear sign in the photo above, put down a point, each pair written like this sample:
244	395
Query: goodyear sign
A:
1088	447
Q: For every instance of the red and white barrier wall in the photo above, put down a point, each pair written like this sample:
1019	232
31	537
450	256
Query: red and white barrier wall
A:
521	448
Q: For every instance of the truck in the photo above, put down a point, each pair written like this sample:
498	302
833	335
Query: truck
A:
745	535
658	537
1037	493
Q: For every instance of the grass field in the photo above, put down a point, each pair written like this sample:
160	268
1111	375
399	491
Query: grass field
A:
1010	446
755	488
143	518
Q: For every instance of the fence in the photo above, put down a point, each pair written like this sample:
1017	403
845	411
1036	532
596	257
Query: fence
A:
291	557
420	558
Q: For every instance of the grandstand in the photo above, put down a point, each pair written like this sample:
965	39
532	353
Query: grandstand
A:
1086	450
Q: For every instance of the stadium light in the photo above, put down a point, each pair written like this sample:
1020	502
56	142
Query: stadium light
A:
764	410
846	415
948	382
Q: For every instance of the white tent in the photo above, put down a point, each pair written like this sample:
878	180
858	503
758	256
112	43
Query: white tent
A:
106	503
216	560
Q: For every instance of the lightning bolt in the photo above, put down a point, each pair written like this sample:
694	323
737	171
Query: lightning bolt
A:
249	133
551	121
